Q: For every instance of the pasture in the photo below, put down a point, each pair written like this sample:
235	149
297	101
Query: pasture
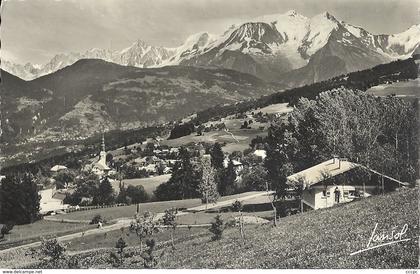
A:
407	89
149	184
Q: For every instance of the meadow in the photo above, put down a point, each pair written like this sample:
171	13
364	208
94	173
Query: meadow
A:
316	239
22	234
149	184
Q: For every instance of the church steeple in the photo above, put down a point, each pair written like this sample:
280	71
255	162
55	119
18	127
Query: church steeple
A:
103	142
102	154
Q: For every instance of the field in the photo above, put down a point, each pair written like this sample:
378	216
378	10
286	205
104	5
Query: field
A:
150	184
275	108
113	213
315	239
236	139
409	89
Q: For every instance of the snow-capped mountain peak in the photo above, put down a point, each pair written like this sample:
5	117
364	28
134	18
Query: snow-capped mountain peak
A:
281	42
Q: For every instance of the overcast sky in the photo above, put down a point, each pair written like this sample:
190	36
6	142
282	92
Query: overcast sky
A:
36	30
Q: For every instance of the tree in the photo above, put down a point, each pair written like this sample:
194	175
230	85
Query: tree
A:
217	156
137	194
122	194
208	186
87	185
63	178
118	259
217	228
244	125
226	180
254	178
105	194
150	260
181	130
184	181
169	219
144	226
20	199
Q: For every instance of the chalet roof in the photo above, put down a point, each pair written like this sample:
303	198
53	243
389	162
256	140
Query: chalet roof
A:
59	196
332	167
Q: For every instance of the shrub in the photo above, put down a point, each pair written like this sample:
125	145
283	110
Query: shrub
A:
96	219
150	260
237	206
169	219
52	249
118	259
6	228
217	228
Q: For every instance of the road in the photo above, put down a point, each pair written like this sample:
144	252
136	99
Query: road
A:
124	222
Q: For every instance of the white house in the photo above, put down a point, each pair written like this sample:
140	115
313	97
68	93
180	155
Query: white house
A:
340	181
260	153
57	168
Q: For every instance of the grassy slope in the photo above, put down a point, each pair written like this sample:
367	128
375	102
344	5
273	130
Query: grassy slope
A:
410	88
243	136
33	232
317	239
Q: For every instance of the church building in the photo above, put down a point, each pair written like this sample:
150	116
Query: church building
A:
100	167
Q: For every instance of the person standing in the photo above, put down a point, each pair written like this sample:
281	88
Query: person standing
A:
337	195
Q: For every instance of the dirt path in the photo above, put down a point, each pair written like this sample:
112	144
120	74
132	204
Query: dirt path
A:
231	134
124	222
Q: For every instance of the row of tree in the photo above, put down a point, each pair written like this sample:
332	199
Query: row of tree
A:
90	190
380	133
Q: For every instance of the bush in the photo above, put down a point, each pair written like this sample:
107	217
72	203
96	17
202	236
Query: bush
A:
217	228
150	260
237	206
52	249
96	219
6	228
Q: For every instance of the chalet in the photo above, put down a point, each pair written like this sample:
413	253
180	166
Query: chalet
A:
340	181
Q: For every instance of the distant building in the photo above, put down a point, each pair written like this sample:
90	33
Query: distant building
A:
57	168
339	181
174	150
260	153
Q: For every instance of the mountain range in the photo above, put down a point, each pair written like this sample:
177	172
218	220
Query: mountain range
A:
288	48
93	95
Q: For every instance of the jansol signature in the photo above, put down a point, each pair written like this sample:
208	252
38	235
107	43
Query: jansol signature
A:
384	238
